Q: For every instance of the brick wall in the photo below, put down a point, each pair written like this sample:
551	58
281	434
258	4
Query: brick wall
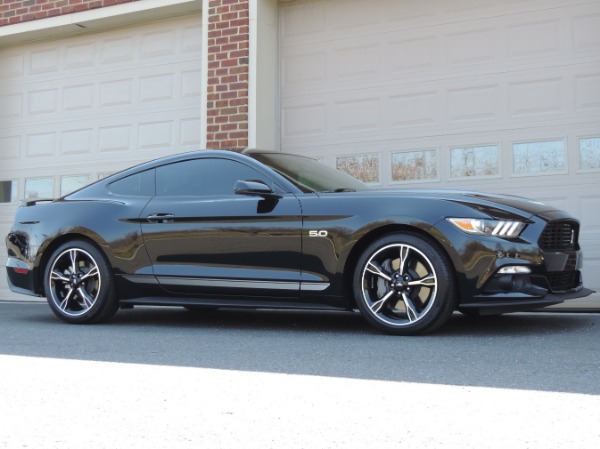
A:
227	88
17	11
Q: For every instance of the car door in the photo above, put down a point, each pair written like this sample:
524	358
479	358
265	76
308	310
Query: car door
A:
206	240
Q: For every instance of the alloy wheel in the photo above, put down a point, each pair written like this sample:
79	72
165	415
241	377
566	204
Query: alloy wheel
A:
74	281
399	285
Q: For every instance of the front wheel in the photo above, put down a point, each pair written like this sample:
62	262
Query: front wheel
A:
404	285
79	283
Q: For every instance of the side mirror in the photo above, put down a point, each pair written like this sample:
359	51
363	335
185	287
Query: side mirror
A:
254	188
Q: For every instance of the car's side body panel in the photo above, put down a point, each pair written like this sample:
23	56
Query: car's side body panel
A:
220	245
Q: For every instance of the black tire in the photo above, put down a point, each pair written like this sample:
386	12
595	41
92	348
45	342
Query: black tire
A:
404	285
79	284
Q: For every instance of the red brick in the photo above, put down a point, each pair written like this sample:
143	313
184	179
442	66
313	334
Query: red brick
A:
238	69
229	32
229	79
228	111
239	23
238	101
230	47
238	134
228	144
239	54
229	127
239	118
238	86
229	95
232	16
229	63
240	37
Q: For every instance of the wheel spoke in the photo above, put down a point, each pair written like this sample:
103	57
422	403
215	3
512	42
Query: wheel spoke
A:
375	268
93	272
427	281
404	250
411	311
65	302
87	299
73	257
56	276
378	305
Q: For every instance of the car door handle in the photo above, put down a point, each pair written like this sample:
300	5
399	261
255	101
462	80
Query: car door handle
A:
160	218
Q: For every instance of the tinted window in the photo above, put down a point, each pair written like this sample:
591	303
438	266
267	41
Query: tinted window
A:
205	177
140	184
308	174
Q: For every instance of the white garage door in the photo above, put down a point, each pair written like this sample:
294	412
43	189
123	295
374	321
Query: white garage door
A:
76	109
493	95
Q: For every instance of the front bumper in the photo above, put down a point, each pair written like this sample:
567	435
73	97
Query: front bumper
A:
521	303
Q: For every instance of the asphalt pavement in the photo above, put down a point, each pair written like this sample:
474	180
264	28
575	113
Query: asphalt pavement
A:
161	377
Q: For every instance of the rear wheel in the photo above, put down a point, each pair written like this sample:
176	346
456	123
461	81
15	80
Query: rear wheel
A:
404	285
79	284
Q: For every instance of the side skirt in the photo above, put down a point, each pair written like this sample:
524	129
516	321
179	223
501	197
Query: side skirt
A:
252	303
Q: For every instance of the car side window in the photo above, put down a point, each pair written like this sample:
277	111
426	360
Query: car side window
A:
203	177
140	184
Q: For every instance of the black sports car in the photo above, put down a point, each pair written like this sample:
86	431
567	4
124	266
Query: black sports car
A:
212	229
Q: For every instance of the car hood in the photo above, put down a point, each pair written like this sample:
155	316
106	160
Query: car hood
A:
493	204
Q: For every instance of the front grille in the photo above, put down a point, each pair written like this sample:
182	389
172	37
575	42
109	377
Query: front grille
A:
559	236
562	281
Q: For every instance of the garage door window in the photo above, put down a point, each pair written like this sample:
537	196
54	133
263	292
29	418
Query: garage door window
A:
415	166
476	161
531	158
362	166
69	184
589	153
8	191
39	188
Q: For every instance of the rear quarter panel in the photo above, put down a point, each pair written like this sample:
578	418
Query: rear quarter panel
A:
112	225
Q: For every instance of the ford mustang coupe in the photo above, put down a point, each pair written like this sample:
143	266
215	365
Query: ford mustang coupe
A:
213	229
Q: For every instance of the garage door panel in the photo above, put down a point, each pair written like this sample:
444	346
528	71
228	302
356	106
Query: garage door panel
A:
79	108
512	87
498	43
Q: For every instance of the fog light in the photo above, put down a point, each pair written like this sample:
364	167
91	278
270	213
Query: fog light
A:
514	269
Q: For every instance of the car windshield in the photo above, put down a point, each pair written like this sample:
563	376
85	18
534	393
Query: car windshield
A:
308	174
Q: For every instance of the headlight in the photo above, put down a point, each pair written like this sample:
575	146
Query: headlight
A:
500	228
